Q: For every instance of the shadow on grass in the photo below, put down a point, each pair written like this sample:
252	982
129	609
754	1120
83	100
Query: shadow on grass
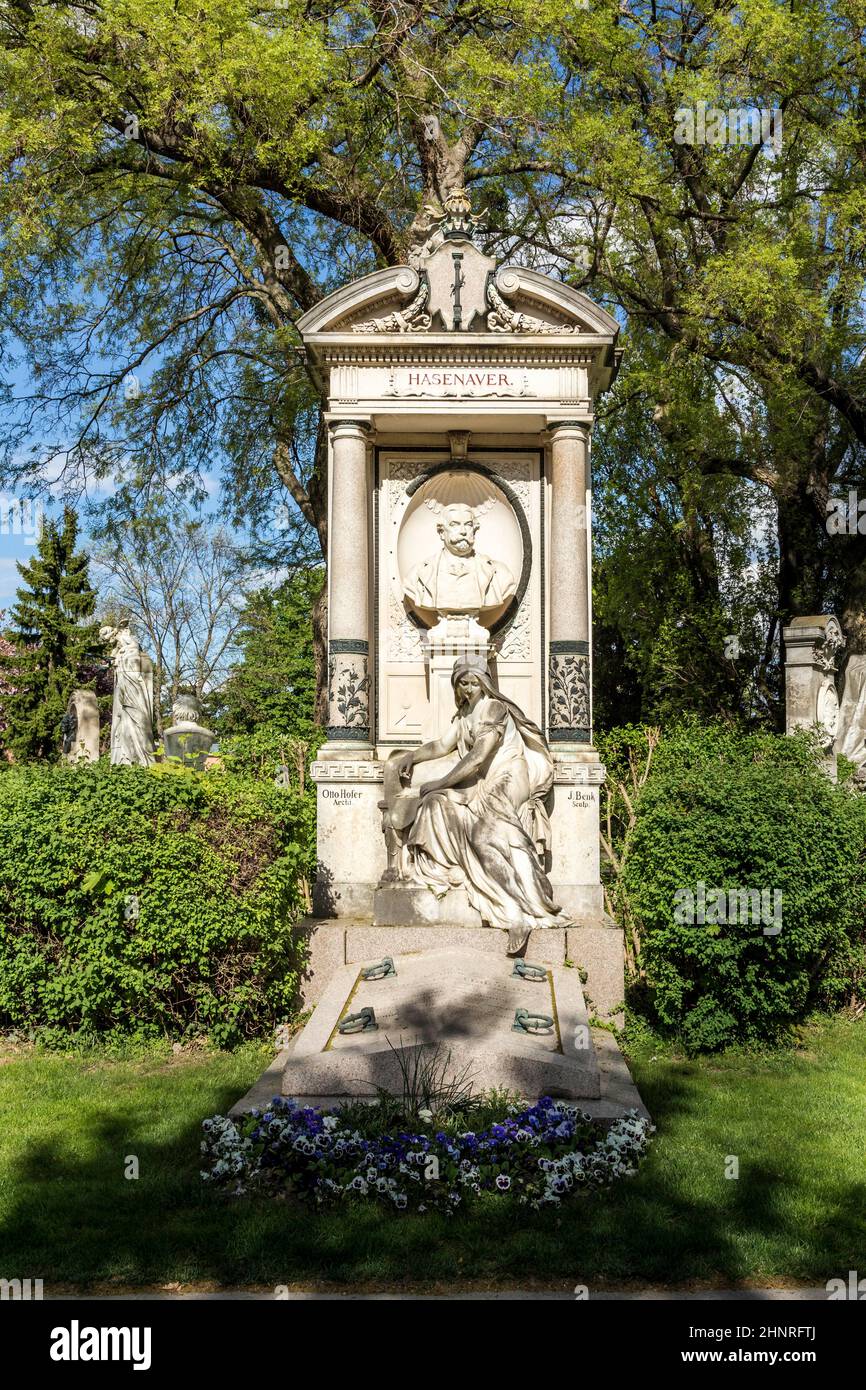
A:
75	1218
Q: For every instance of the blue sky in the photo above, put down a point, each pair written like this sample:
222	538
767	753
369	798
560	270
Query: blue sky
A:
24	520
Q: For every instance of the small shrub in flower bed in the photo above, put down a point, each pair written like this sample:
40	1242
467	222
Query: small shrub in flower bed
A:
536	1154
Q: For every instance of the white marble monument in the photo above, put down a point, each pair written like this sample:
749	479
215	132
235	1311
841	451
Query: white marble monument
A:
461	398
813	647
186	738
458	790
481	825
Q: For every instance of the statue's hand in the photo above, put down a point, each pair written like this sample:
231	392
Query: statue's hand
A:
405	764
430	787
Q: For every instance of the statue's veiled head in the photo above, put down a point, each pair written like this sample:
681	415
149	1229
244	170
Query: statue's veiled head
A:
470	681
457	528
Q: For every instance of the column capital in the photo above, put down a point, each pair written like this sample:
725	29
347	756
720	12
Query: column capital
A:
580	429
351	427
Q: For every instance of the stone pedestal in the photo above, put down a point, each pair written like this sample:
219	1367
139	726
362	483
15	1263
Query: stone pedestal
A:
351	847
575	869
411	905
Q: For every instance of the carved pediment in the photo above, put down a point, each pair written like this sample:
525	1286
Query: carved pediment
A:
452	286
525	301
373	297
456	288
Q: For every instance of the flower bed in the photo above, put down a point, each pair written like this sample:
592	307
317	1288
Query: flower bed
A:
536	1154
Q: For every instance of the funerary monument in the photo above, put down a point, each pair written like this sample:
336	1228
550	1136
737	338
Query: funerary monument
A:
458	790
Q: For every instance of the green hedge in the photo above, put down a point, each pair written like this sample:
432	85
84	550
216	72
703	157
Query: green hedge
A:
745	811
148	902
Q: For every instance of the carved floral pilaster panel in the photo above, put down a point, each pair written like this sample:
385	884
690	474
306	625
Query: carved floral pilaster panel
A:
568	692
348	691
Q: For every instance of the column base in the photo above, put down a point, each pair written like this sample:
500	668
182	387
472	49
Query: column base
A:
335	750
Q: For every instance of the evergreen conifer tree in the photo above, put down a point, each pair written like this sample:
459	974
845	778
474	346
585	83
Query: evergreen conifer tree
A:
53	645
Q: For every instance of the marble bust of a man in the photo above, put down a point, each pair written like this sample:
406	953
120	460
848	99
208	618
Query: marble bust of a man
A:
457	579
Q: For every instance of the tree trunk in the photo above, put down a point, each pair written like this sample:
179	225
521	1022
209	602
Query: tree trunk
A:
320	649
801	590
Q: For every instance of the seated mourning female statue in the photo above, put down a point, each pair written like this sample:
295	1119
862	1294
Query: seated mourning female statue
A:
482	825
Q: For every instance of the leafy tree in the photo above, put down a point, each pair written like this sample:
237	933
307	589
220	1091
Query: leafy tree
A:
54	647
742	263
7	687
182	182
275	681
182	583
685	599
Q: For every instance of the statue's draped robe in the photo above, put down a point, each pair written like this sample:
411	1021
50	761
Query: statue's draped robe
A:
132	715
851	737
502	812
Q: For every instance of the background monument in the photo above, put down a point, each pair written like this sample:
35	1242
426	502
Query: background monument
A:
187	738
80	728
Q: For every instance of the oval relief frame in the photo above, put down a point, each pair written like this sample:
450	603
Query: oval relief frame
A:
504	487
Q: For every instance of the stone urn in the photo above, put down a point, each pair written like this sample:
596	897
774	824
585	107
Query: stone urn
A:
187	738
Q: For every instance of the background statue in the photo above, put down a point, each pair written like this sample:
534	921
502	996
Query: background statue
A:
132	711
482	826
456	579
851	724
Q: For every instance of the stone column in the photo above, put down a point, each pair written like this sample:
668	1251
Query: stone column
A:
568	687
349	674
575	871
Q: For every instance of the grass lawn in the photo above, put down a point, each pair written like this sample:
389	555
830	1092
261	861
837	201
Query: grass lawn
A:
795	1119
